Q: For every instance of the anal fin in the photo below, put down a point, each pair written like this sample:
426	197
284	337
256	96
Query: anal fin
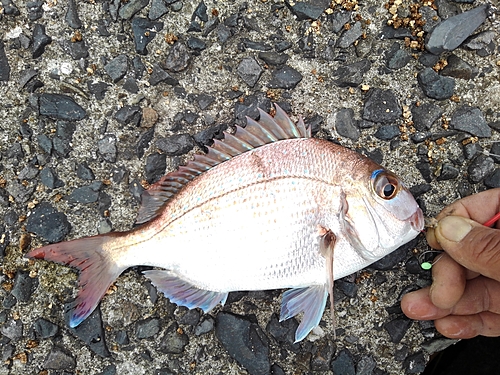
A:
311	301
182	293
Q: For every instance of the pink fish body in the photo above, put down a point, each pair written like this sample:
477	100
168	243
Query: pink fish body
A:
269	207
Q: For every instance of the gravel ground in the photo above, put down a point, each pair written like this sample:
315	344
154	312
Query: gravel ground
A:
100	98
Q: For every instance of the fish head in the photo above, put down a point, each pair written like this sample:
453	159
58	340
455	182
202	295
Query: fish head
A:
381	215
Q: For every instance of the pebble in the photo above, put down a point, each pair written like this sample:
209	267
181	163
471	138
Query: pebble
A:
206	325
415	364
343	363
450	33
349	289
285	77
437	345
176	145
424	168
397	328
397	58
249	71
483	43
173	341
339	18
91	332
34	9
40	40
425	115
77	50
59	359
190	317
430	17
434	85
107	148
84	195
128	114
49	224
204	100
283	332
159	75
45	329
349	36
117	67
273	58
480	167
144	142
365	366
98	89
322	357
60	107
493	180
128	10
307	10
158	8
121	338
446	9
196	44
49	178
24	286
12	329
72	18
109	370
382	106
458	68
4	64
244	341
144	32
223	33
156	164
178	58
428	59
471	120
258	46
345	124
351	75
147	328
448	172
9	8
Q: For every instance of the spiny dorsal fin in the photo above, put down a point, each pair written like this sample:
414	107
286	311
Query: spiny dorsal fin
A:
255	134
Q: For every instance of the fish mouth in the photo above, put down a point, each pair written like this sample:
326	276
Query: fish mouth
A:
417	220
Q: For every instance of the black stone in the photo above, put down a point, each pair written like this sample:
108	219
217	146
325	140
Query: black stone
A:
131	85
457	68
322	357
435	86
389	32
430	17
72	18
223	33
138	66
345	124
158	8
77	50
144	32
259	46
425	170
45	329
173	341
98	89
190	317
396	57
382	106
60	107
147	328
90	331
204	101
348	37
59	359
351	75
285	77
40	40
206	325
155	167
85	194
248	107
415	364
450	33
493	180
249	71
45	221
397	328
117	68
178	58
128	114
109	370
343	363
35	10
448	172
428	59
196	44
84	172
9	8
107	148
393	259
471	120
273	58
425	115
480	167
128	10
205	137
201	12
121	338
244	341
283	332
494	151
159	75
339	18
4	64
144	142
307	10
176	145
282	46
24	286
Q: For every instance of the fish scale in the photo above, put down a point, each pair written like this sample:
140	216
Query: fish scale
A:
268	207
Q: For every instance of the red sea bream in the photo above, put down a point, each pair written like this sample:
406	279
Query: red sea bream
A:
268	207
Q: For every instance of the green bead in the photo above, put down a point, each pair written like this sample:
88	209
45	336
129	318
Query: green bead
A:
426	266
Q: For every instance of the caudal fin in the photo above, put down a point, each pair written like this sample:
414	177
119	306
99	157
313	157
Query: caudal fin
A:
97	270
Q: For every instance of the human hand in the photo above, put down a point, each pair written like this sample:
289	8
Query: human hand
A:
464	298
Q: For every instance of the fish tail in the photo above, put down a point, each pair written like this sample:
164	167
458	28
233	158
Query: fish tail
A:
97	270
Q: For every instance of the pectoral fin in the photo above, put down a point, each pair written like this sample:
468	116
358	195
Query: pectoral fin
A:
311	301
182	293
326	247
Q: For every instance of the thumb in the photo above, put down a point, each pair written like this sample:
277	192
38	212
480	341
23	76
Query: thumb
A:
471	244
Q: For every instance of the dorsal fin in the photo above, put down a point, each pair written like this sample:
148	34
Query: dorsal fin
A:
255	134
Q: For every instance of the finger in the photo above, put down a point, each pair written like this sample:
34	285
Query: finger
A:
448	282
430	236
480	294
478	207
466	327
473	245
418	305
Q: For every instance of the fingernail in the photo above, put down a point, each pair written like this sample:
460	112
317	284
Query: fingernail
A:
454	228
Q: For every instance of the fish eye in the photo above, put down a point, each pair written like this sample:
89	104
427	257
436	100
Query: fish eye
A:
386	186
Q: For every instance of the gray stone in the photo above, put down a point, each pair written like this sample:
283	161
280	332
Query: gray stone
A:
159	75
448	172
107	148
176	145
343	363
129	114
387	132
348	37
345	124
285	77
4	64
430	16
397	328
480	167
84	195
117	67
60	107
351	75
46	222
178	58
308	9
381	106
425	115
249	71
155	167
13	329
49	178
147	328
128	10
435	86
173	341
40	40
415	364
45	329
470	120
158	8
273	58
144	32
339	18
458	68
397	58
71	17
59	359
24	286
90	331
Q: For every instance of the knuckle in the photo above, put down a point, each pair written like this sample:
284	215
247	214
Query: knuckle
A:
485	248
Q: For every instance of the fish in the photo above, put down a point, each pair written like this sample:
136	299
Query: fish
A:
267	207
